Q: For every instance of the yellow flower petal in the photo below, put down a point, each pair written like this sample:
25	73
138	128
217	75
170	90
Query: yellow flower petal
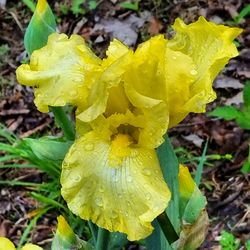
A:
30	246
210	47
6	244
64	231
41	6
64	77
186	182
107	87
124	196
157	86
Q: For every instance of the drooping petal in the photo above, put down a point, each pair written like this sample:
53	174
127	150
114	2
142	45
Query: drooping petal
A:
59	71
124	196
6	244
210	47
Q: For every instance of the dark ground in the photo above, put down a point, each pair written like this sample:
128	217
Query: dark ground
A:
226	188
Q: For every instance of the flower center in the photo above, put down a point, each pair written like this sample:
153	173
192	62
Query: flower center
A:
120	149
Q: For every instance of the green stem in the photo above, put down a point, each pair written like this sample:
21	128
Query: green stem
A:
93	231
167	228
102	239
64	122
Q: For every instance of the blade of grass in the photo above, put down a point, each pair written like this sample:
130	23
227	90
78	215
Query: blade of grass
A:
199	170
47	200
30	226
16	166
19	183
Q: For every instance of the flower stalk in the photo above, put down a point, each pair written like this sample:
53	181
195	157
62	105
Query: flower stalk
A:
102	239
64	122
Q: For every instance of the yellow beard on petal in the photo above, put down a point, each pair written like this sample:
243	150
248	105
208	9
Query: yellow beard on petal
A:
119	149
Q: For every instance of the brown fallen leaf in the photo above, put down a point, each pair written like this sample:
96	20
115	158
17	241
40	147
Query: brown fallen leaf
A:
195	139
237	99
155	26
222	82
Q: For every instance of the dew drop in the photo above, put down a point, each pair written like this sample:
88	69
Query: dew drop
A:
148	196
89	146
126	214
77	178
129	179
116	179
98	201
78	79
73	93
174	57
114	214
157	171
146	171
193	72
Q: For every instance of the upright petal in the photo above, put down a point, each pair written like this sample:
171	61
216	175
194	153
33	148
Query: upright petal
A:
59	71
210	46
124	196
107	84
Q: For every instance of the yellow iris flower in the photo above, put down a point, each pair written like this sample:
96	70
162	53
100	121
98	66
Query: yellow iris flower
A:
125	104
6	244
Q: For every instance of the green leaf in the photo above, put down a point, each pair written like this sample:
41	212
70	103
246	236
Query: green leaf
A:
48	149
226	112
246	95
157	240
117	241
243	119
248	245
200	166
245	168
131	6
195	205
92	5
77	8
170	169
42	24
244	12
30	4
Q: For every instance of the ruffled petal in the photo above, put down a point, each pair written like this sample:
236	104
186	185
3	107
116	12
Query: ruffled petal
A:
124	196
210	47
59	71
107	87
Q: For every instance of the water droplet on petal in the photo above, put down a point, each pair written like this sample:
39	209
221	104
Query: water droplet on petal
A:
114	214
146	171
77	178
174	57
148	196
129	179
157	171
89	146
98	201
115	178
193	72
73	93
